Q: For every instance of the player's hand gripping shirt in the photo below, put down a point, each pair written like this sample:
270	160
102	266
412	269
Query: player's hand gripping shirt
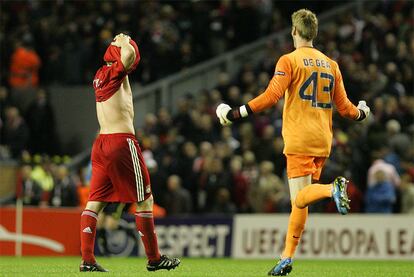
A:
312	84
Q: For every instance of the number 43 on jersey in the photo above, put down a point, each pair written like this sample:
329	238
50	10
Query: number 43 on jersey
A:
313	80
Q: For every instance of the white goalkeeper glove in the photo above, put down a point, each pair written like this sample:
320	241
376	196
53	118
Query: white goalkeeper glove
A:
364	110
221	112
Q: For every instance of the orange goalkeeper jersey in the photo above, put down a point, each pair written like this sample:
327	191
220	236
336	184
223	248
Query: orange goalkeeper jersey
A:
312	84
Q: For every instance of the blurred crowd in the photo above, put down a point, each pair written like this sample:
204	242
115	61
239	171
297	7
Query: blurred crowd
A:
46	181
62	42
27	124
197	166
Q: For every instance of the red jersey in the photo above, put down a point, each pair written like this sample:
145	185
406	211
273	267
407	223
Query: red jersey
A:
108	78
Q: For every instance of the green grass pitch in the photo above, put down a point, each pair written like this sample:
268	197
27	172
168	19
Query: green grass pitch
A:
68	266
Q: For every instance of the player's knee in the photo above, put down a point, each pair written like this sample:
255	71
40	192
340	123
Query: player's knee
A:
145	205
299	200
95	206
299	204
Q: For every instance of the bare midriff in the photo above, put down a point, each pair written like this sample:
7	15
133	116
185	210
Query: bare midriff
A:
116	115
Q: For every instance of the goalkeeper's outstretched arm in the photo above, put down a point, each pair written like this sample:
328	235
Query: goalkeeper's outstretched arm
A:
274	91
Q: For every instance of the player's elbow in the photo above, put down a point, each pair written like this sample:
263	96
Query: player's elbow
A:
348	114
343	113
129	59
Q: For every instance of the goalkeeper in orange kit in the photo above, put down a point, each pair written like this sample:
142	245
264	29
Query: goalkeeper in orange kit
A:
311	83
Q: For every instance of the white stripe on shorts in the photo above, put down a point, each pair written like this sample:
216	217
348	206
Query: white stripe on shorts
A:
141	181
137	170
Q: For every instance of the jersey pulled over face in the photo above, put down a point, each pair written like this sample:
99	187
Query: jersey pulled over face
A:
312	84
109	78
114	106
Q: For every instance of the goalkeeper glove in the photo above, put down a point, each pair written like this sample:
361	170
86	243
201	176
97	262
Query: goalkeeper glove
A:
227	115
364	110
221	112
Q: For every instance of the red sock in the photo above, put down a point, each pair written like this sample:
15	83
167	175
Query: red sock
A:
145	225
88	231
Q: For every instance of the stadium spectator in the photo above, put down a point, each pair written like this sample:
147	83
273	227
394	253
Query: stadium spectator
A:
250	168
4	102
205	129
389	173
177	200
182	120
212	178
43	174
24	65
64	192
205	152
269	194
265	150
30	190
15	132
82	189
40	119
158	179
185	165
376	79
163	125
223	203
399	143
228	139
239	185
380	195
407	194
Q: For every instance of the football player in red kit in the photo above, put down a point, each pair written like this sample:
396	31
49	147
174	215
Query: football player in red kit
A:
119	173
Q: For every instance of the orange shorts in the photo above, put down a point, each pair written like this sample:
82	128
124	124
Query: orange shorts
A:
299	165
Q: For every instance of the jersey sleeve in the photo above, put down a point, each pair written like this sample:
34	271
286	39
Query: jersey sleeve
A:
117	71
276	88
107	80
343	105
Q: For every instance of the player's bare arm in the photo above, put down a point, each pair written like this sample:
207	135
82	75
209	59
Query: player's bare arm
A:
127	50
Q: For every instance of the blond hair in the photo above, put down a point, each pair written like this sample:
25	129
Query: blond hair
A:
305	23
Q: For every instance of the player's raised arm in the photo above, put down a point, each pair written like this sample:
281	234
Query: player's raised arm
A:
343	105
128	54
274	91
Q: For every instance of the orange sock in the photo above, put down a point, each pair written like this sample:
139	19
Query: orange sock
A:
311	194
297	221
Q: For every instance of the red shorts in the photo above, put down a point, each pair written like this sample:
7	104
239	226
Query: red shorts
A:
119	173
298	166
